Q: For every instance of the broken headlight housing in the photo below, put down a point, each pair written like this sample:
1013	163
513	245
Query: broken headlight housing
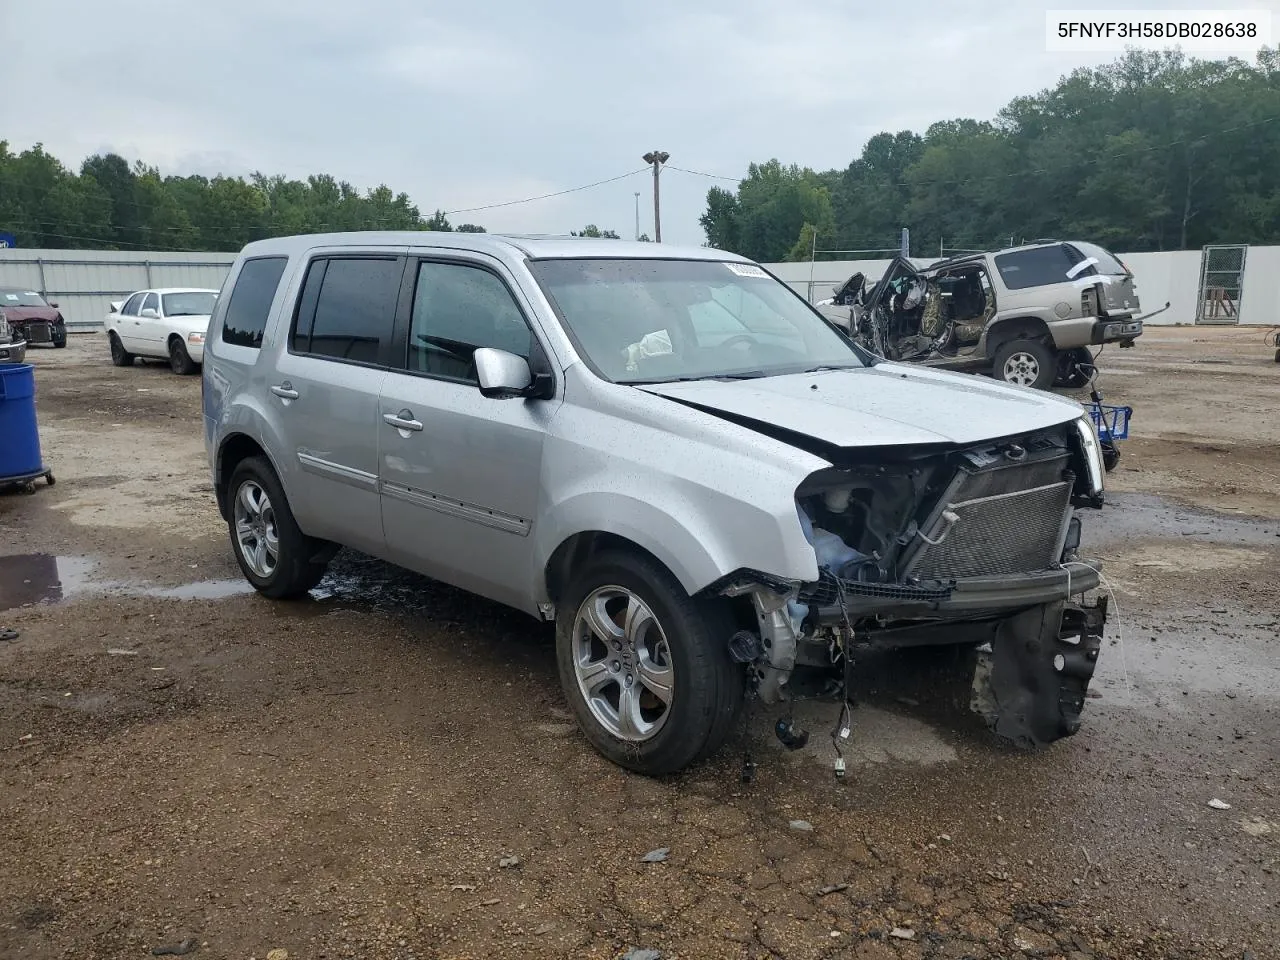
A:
1091	447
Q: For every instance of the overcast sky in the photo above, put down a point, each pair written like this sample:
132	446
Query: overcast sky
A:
467	104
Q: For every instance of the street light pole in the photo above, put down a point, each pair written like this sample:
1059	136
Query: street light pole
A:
637	214
656	158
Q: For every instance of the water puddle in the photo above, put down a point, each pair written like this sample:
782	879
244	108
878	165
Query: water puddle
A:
354	581
40	578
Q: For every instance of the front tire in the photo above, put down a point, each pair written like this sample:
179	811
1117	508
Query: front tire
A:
59	337
120	357
180	361
645	667
274	554
1026	363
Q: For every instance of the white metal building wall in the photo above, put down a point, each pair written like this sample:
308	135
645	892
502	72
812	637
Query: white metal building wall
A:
84	282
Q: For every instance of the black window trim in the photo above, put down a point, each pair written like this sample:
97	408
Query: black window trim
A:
539	362
125	306
221	306
384	349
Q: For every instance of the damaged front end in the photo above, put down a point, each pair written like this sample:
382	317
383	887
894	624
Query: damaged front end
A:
974	546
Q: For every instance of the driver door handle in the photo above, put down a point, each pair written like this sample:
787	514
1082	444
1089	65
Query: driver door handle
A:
402	420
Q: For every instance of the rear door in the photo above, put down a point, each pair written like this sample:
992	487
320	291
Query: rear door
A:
461	473
327	382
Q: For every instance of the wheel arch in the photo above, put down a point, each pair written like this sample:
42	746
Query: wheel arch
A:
232	451
1008	329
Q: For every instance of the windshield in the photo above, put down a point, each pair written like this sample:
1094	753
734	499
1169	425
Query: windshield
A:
194	303
653	321
21	298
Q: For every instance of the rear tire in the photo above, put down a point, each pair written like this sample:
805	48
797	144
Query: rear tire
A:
120	357
273	553
180	361
1026	363
677	641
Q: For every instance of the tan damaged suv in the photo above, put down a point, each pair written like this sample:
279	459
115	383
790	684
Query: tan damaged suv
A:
1025	315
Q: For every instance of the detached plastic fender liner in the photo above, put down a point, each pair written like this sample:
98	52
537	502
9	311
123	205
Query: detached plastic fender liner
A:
1031	686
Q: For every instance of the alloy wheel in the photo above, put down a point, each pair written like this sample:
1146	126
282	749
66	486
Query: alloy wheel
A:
623	664
1021	369
256	533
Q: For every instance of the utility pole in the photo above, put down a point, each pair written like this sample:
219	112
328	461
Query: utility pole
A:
655	159
638	215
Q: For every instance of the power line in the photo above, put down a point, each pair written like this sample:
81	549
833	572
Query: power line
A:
547	196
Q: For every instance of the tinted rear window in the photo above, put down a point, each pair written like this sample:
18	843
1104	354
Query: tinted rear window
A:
250	302
347	308
1035	268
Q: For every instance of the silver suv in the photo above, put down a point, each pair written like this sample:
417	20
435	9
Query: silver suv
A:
1027	315
664	450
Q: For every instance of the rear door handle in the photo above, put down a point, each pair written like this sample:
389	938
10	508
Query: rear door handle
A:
285	391
402	420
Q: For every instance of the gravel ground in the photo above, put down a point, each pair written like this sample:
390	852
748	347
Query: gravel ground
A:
352	776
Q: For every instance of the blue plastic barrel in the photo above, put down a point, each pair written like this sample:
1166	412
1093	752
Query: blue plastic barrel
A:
19	436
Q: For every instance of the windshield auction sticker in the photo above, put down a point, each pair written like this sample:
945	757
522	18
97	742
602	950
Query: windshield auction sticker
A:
747	270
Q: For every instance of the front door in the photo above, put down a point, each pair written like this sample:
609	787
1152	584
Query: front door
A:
327	383
150	326
127	326
460	473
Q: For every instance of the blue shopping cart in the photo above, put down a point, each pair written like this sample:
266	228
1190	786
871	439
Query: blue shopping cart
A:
1111	422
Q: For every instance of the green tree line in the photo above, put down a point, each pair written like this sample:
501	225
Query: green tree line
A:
1155	151
112	204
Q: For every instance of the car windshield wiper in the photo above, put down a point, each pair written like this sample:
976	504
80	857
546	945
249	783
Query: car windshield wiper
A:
833	366
744	375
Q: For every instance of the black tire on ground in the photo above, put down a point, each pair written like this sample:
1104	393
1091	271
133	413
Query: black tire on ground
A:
1030	363
1110	456
708	688
1069	372
120	357
301	560
59	337
180	361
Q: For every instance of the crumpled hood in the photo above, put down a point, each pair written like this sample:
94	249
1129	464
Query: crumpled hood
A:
19	315
886	405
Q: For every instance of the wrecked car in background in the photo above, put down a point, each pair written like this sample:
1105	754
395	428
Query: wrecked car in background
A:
1026	315
664	450
32	318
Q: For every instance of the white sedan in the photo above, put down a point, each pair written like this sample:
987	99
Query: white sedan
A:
166	324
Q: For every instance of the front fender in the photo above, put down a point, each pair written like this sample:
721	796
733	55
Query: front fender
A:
698	546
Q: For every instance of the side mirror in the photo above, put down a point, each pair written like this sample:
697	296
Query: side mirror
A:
52	304
502	375
150	313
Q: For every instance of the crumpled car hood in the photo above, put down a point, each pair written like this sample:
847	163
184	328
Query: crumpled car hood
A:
27	314
885	405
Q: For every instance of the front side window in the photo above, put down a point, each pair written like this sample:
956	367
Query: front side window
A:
457	309
1038	267
189	303
646	321
250	302
347	308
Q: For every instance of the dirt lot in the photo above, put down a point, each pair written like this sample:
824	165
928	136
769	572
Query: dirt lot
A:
344	777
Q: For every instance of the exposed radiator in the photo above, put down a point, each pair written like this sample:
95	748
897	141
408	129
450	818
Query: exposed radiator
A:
992	522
